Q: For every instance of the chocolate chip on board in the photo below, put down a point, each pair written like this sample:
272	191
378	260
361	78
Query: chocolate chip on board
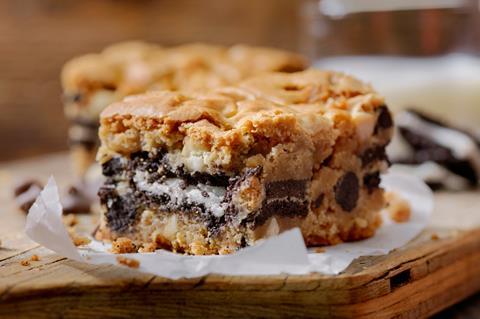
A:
347	191
26	192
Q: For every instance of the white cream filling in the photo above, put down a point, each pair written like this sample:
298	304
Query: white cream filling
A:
194	162
192	194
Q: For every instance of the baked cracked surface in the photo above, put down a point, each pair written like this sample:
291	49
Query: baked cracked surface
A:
93	81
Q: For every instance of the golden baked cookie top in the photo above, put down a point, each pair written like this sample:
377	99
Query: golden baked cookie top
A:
311	91
134	67
309	109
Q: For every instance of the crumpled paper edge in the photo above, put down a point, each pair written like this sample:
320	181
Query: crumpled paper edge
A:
285	253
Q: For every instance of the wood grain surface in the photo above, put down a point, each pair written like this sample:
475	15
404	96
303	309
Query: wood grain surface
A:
421	279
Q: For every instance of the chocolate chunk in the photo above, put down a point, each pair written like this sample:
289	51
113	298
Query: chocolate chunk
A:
375	153
347	191
76	201
288	188
384	120
328	160
26	192
371	181
317	202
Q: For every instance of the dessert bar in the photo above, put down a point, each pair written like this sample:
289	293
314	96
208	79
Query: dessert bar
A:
211	172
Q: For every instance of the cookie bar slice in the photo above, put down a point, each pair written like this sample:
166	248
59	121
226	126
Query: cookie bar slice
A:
213	172
93	81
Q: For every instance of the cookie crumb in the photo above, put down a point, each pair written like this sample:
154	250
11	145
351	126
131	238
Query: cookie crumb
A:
25	263
320	250
78	240
398	208
81	240
34	258
123	245
70	220
148	248
129	262
434	237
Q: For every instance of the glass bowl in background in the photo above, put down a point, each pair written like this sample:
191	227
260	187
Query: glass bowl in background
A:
417	53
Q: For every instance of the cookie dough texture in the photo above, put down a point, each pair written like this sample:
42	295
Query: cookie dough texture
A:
207	173
93	81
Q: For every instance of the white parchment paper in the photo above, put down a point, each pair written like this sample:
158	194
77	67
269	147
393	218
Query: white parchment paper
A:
285	253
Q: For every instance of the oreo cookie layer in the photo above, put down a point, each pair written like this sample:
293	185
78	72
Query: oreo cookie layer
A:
148	182
283	199
433	141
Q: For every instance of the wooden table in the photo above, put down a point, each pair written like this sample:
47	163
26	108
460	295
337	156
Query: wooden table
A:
421	279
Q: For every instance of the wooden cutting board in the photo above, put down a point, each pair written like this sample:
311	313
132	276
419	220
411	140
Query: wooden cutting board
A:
426	276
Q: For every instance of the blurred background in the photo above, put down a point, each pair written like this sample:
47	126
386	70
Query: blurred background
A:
38	36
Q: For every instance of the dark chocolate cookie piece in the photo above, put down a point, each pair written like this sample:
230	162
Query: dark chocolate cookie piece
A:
373	154
121	210
288	188
114	166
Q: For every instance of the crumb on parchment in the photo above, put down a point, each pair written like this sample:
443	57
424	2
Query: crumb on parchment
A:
434	236
123	245
147	248
70	220
78	240
34	258
129	262
398	208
